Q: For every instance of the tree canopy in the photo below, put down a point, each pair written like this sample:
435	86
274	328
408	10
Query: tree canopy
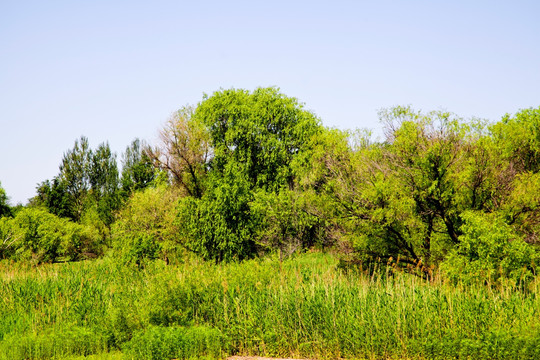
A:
254	138
248	172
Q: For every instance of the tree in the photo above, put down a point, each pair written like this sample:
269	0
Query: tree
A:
184	151
74	173
402	200
138	171
254	137
104	182
218	226
261	132
87	179
518	138
54	197
5	210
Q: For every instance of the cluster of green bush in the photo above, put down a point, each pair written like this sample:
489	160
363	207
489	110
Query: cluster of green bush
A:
36	235
246	173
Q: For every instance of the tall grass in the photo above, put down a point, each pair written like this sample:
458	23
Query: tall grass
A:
304	307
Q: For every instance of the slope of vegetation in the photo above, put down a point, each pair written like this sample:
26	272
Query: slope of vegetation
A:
194	248
306	306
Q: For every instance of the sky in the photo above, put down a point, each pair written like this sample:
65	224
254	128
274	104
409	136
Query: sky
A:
115	70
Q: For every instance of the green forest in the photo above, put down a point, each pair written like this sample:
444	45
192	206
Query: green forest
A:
250	228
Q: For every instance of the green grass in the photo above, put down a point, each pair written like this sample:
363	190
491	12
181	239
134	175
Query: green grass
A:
304	307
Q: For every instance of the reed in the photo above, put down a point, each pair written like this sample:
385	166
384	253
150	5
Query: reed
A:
305	307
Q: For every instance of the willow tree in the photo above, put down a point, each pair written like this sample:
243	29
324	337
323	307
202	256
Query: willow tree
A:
254	137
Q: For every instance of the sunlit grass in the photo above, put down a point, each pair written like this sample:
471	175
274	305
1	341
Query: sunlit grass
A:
304	307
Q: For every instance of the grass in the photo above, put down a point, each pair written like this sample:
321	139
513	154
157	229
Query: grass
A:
305	307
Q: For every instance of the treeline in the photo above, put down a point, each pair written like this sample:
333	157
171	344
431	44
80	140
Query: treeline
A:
247	173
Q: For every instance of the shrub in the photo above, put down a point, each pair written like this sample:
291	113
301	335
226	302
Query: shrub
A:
489	251
145	227
40	236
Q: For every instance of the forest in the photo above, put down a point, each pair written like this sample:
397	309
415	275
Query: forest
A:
250	228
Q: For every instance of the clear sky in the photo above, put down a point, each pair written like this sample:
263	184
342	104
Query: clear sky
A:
115	70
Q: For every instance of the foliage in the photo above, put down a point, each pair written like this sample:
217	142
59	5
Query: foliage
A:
518	138
262	131
104	182
250	172
145	229
54	197
74	173
219	225
490	251
8	238
283	222
184	151
38	236
254	136
87	178
96	231
402	200
521	206
137	169
5	210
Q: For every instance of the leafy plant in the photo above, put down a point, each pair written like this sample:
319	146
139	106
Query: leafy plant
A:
490	251
145	227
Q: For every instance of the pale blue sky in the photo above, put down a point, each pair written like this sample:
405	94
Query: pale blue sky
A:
115	70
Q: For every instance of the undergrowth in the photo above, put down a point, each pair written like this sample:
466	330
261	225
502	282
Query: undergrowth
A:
303	307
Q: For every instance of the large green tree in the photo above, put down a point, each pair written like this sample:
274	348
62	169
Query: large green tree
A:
259	132
254	137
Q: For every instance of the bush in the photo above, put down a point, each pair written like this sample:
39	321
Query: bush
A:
8	238
37	235
489	251
218	226
145	227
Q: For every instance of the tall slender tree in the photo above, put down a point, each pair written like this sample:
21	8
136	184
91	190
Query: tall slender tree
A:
5	209
138	171
74	172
